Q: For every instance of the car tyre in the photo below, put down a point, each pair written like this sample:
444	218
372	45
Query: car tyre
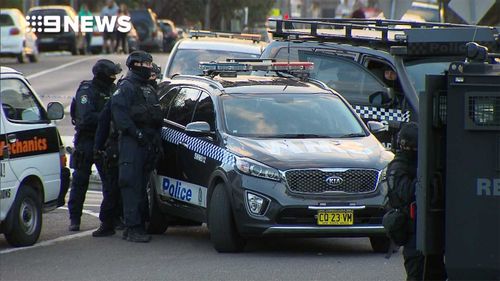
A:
223	232
26	218
158	222
380	244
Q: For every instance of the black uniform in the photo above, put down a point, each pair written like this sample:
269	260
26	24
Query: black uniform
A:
88	103
106	147
133	107
401	177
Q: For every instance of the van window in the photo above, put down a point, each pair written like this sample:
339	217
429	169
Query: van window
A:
19	103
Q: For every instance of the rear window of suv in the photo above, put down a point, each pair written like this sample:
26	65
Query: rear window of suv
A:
6	20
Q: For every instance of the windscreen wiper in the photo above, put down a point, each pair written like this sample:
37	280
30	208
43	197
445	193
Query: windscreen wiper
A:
301	136
353	135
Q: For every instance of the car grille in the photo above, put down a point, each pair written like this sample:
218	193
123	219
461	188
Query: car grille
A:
315	181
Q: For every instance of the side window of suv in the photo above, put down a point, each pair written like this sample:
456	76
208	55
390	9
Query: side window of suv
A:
166	99
19	103
205	111
344	75
183	105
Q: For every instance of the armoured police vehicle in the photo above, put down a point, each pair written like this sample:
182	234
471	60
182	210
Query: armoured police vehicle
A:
458	196
32	161
253	156
363	57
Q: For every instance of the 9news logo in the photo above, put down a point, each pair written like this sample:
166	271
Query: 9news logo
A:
56	24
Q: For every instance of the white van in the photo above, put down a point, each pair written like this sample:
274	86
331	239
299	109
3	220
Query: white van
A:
31	159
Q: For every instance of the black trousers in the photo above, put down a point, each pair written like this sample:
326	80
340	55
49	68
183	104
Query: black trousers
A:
81	174
413	260
132	181
111	205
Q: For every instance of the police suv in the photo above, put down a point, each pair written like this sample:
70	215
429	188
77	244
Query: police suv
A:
32	163
255	156
379	66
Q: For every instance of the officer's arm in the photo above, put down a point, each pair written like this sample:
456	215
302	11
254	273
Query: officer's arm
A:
87	109
121	103
103	126
402	182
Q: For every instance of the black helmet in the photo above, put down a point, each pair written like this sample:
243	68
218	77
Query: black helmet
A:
408	135
106	68
138	56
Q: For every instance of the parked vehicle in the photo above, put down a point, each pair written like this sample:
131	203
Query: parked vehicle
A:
33	170
71	41
150	34
257	156
97	41
210	46
17	41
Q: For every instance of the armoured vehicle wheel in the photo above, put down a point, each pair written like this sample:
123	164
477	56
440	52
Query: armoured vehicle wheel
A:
26	218
223	232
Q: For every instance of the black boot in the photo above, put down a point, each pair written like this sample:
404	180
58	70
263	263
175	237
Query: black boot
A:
136	235
105	229
74	225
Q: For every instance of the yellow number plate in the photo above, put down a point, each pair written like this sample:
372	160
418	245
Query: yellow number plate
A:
335	217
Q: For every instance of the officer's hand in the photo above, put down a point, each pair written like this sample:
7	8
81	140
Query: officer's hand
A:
99	154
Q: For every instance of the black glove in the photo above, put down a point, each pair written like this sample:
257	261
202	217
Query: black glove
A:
99	155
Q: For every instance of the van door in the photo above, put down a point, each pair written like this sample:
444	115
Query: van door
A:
8	180
32	138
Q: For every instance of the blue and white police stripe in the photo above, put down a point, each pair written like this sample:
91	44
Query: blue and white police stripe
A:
388	114
199	146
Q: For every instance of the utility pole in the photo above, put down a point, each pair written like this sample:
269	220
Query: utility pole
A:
207	14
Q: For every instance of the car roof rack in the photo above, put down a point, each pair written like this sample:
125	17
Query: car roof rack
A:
231	67
398	37
256	38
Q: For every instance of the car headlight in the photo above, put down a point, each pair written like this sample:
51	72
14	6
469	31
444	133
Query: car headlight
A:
256	169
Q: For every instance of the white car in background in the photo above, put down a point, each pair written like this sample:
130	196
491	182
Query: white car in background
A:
206	46
16	41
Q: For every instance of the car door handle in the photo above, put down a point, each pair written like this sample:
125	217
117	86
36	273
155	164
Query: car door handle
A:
184	145
11	138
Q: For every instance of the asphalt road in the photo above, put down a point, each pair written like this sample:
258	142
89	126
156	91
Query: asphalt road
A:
182	253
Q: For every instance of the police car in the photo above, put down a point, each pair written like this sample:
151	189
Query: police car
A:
259	156
31	159
378	65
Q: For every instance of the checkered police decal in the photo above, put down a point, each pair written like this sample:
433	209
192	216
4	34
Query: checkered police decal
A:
388	114
199	146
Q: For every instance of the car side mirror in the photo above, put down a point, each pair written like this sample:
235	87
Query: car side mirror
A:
376	127
198	129
382	98
55	111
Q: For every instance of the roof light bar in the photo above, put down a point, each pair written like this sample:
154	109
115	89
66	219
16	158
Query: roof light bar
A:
264	65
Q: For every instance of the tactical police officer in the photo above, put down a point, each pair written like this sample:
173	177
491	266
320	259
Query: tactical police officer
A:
138	118
106	150
401	180
85	108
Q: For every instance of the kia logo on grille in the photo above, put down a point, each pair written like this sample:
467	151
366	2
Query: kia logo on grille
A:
334	181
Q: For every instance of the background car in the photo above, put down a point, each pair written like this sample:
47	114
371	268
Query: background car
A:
209	46
97	41
16	41
150	34
170	34
59	41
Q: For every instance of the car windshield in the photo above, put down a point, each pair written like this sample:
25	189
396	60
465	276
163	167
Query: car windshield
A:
289	116
417	69
48	12
186	61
